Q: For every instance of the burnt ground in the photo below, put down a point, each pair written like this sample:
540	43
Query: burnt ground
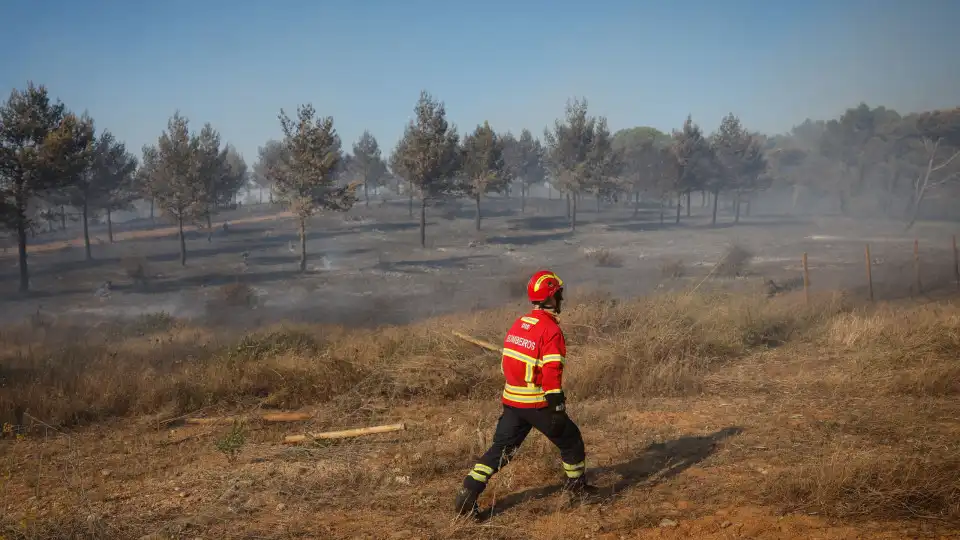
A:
800	439
366	267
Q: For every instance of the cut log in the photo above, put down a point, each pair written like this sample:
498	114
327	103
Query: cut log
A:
478	342
291	439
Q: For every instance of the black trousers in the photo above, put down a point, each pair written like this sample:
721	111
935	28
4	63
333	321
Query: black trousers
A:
512	428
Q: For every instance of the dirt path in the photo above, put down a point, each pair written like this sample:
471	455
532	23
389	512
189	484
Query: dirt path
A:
134	479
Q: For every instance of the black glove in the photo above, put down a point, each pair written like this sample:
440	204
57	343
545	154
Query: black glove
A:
556	406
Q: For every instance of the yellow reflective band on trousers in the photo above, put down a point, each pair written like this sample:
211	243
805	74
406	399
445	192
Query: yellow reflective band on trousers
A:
480	473
478	477
481	468
574	471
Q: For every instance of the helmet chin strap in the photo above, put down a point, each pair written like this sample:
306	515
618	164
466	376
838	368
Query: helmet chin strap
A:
557	301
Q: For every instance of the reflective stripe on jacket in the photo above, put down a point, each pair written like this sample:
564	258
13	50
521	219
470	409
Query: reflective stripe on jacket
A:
533	356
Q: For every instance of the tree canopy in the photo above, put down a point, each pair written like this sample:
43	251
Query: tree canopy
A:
868	161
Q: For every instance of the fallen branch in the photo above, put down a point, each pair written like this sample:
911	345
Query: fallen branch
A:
181	417
477	342
269	417
286	417
291	439
213	420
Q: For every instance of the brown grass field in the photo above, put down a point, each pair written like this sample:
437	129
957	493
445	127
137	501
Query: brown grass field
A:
706	415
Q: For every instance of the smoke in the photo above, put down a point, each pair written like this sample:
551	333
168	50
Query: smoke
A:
365	268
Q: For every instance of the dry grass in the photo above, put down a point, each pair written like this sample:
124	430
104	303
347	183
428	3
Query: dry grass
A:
897	351
846	411
734	260
660	346
135	268
850	482
672	269
603	257
235	295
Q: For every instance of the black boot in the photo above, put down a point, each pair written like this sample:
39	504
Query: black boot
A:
466	503
578	488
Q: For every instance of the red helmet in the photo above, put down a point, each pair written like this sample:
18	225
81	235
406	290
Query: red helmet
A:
543	285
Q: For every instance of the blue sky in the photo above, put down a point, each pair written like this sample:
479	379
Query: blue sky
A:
514	63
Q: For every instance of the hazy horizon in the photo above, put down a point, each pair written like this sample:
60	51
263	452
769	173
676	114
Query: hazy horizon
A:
235	65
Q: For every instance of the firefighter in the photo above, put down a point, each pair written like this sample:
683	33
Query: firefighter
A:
532	364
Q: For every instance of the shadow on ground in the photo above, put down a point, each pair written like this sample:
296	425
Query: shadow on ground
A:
657	462
529	239
539	223
696	224
425	266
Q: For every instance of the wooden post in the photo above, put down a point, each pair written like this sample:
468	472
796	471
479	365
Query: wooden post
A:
806	280
916	265
292	439
956	262
869	273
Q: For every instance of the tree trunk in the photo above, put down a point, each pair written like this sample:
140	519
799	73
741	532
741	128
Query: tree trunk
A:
795	198
86	232
915	210
109	226
662	210
747	209
477	200
688	203
598	203
153	204
303	244
861	176
920	188
183	241
716	199
636	203
366	195
736	208
261	195
22	245
679	204
209	225
63	218
703	198
423	220
411	200
573	214
568	206
523	197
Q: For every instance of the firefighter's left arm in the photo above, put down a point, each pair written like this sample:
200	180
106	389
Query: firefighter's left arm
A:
553	355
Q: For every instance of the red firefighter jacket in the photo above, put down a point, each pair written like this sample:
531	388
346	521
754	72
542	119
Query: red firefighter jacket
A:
533	356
